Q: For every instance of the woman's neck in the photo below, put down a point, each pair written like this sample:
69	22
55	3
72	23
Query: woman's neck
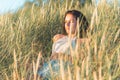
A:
72	35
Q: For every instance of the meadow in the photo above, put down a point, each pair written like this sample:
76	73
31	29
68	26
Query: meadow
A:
26	41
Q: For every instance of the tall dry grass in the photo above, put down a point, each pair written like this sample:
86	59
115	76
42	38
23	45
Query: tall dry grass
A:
26	41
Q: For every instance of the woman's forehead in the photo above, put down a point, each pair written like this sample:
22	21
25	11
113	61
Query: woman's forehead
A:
69	17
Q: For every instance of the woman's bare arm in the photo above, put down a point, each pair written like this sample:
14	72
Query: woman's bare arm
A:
57	36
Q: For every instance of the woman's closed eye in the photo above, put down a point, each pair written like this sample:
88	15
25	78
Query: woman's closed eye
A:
69	21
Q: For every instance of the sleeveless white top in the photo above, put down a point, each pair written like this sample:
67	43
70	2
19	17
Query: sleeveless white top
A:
63	45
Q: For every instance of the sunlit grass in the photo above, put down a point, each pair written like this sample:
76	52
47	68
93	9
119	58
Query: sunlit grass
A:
26	41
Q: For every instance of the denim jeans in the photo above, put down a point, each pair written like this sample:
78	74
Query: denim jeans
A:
51	69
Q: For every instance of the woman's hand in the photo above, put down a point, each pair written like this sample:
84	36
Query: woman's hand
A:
57	36
83	40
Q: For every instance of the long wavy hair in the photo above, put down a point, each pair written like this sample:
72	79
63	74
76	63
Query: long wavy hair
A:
83	23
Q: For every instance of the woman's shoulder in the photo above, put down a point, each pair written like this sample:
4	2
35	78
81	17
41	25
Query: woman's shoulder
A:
65	38
59	37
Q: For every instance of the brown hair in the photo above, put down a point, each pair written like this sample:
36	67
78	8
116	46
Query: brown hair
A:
82	21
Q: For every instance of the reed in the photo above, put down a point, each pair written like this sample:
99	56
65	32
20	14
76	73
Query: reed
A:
26	41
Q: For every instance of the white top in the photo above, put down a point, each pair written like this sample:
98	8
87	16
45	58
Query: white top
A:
63	45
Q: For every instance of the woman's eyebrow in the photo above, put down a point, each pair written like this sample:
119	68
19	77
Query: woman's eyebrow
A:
70	20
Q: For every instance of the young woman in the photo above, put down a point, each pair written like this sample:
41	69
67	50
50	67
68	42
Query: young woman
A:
74	30
75	23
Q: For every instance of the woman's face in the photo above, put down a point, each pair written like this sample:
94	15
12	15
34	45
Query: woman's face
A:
70	24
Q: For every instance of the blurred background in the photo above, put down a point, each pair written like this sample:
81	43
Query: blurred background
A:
13	5
28	26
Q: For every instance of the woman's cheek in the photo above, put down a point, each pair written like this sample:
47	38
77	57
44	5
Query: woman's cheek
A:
67	29
73	29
